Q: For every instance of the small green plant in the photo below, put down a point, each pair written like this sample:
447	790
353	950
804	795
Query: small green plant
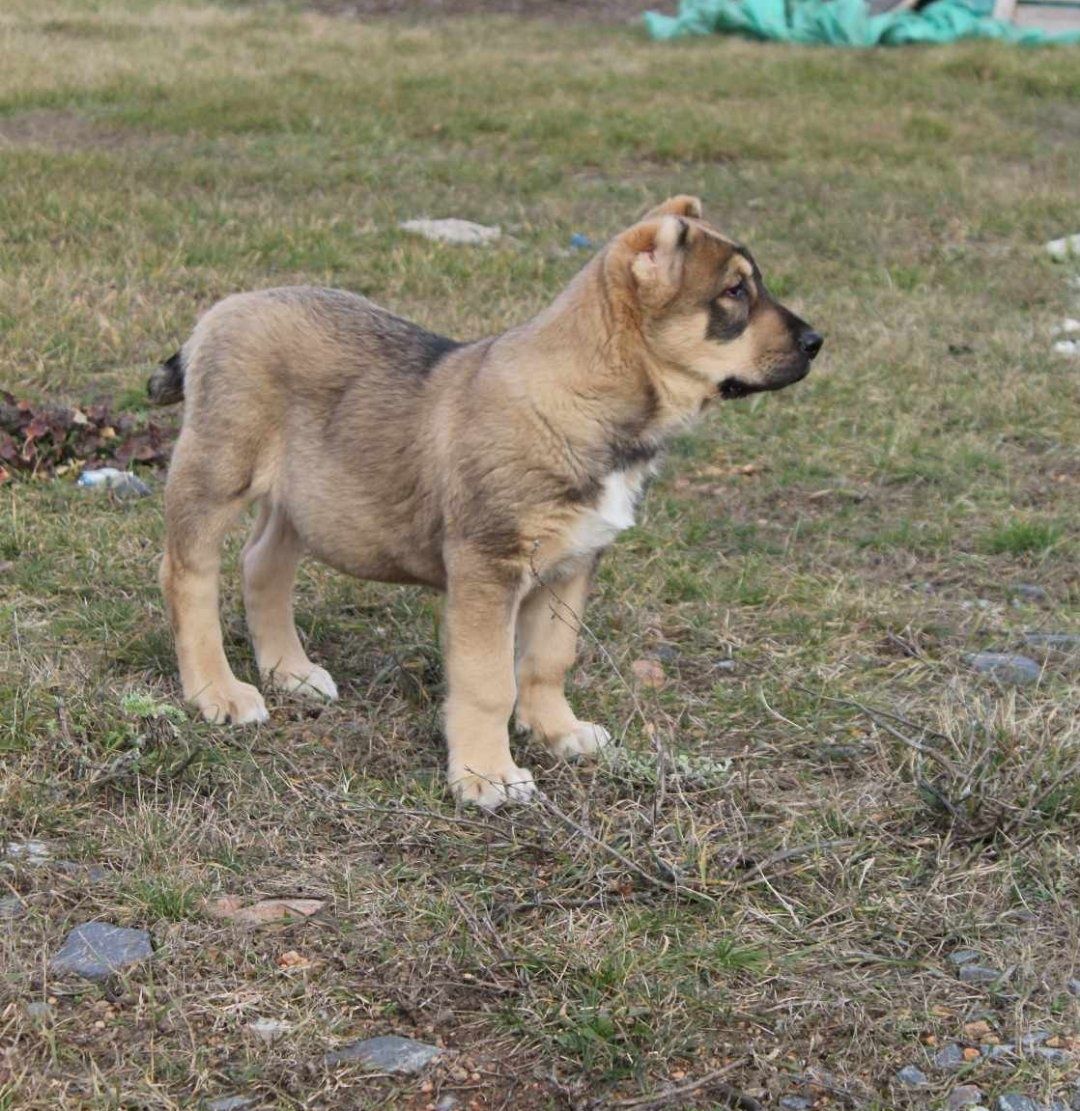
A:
141	705
1022	537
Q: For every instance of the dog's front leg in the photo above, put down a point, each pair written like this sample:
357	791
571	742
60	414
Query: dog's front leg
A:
547	633
481	610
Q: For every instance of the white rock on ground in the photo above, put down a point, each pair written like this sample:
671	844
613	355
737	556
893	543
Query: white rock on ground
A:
453	230
269	1029
1069	347
1061	249
32	853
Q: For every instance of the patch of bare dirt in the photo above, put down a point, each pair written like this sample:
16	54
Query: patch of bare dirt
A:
587	11
61	130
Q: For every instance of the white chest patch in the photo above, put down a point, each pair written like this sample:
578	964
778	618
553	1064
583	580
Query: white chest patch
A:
613	512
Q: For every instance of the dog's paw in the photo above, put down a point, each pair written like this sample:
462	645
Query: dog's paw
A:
585	739
239	703
490	790
308	682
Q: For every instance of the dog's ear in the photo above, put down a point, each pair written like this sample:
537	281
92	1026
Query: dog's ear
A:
659	257
682	205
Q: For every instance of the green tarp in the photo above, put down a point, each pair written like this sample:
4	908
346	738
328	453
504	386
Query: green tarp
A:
844	23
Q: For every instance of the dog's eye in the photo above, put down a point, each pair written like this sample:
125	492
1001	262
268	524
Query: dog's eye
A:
736	292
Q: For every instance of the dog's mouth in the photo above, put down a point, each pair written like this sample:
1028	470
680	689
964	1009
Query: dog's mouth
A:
733	387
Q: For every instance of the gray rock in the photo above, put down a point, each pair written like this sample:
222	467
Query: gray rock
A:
978	974
231	1103
1012	1101
1006	668
911	1076
1057	642
963	956
1033	1038
387	1054
966	1095
1030	592
797	1103
95	950
1073	987
452	230
447	1103
12	907
39	1010
950	1057
999	1052
1054	1056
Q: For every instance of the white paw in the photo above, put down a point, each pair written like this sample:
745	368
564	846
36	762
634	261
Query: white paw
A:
309	682
585	739
239	703
489	791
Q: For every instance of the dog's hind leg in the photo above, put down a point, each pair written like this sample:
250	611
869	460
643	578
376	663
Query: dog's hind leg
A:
547	632
197	516
270	559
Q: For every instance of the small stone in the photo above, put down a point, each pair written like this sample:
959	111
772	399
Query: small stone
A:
967	1095
1054	1056
1030	592
1069	347
1005	667
12	907
387	1054
912	1077
230	1103
1057	642
269	1029
453	230
950	1057
95	950
447	1103
31	853
1034	1037
978	974
799	1103
1073	987
1012	1101
963	956
979	1031
39	1010
1065	247
999	1052
725	665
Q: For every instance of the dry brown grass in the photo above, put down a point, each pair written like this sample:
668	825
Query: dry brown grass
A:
761	893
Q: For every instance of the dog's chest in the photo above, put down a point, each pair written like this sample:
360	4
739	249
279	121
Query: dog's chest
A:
599	524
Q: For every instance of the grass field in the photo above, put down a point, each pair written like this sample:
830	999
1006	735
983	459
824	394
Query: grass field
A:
771	877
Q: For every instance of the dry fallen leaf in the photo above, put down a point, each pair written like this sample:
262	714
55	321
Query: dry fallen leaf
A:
232	907
293	959
649	673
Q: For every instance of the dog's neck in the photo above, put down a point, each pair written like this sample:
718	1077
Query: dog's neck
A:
586	350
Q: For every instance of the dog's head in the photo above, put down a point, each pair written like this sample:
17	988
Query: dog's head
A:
703	307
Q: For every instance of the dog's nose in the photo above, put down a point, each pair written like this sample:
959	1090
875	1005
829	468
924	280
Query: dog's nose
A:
810	342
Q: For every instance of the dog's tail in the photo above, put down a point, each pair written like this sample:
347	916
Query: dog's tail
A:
166	385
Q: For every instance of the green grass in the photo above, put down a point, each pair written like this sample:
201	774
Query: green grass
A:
769	876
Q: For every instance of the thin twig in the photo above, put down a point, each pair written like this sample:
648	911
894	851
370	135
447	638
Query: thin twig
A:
732	1096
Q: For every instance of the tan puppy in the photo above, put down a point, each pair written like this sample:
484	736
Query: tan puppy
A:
497	471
